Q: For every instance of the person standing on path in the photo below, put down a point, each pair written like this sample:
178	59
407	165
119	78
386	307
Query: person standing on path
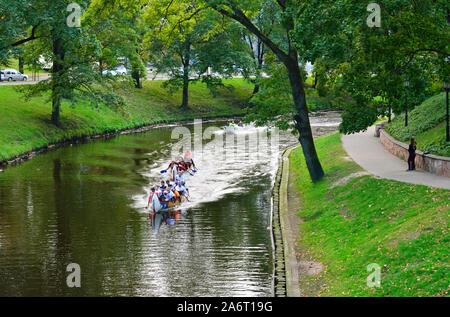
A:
412	155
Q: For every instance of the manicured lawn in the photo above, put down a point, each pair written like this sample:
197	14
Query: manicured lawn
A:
25	125
401	227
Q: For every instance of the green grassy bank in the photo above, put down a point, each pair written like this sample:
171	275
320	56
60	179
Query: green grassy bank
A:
25	125
401	227
427	124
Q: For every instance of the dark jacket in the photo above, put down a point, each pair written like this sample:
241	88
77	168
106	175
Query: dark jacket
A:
412	149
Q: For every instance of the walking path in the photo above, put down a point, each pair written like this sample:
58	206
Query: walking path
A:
366	150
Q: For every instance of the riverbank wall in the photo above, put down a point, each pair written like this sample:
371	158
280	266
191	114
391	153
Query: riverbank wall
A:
285	263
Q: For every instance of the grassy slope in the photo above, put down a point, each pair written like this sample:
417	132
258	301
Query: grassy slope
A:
399	226
427	123
25	125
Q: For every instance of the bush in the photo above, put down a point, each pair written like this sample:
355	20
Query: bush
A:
424	117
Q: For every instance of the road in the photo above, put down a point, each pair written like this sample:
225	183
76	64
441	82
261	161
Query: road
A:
150	76
28	82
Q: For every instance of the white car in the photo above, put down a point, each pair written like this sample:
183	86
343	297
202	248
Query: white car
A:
118	71
12	74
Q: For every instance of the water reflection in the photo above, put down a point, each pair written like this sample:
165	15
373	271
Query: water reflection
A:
166	217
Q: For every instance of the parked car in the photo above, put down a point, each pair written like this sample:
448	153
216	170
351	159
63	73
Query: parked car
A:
118	71
12	74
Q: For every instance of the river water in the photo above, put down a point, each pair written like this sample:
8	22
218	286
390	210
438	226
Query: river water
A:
85	204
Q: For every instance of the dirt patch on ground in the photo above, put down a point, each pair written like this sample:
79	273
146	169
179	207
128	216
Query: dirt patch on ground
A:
310	268
346	213
344	180
409	236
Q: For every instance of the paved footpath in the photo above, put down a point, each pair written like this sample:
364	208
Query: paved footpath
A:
366	150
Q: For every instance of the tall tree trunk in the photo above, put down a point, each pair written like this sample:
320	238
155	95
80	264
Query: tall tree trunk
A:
137	78
21	64
302	123
256	89
260	61
315	81
186	65
185	101
56	105
57	73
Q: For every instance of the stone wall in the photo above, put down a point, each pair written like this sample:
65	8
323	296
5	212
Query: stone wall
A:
279	260
438	165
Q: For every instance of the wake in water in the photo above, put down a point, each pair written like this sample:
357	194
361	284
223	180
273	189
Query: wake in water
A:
227	164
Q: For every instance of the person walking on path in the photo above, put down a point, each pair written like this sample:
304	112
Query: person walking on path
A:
412	155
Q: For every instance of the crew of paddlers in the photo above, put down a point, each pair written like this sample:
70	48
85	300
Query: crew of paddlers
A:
170	193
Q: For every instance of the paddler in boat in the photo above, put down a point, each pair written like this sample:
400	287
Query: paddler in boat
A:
167	197
168	185
240	124
152	213
178	162
186	189
152	192
179	178
189	162
181	190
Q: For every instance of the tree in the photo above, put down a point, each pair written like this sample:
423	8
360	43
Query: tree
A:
373	62
119	29
72	51
288	55
248	42
186	49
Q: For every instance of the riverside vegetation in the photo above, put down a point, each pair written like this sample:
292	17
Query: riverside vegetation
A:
348	225
25	125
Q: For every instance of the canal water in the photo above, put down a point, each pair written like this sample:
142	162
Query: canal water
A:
85	204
